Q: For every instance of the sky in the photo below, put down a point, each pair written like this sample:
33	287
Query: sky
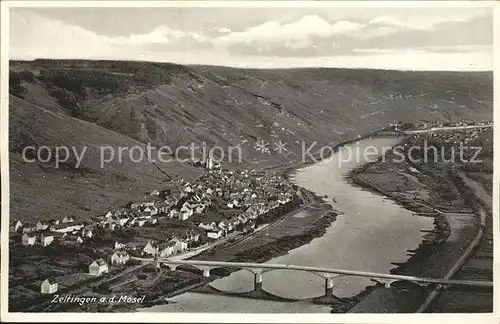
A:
453	39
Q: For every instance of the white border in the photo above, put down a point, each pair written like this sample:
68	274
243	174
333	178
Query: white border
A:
234	317
255	3
496	164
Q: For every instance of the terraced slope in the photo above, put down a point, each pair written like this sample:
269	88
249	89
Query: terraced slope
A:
132	103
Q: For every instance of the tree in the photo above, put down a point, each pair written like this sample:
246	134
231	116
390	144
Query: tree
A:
102	288
15	86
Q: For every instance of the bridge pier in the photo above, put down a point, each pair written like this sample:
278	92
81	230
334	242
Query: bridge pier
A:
257	281
329	287
206	271
328	298
172	267
388	283
257	278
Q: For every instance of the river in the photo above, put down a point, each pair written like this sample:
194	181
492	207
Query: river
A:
372	233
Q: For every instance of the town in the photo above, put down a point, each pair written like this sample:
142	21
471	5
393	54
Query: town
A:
183	217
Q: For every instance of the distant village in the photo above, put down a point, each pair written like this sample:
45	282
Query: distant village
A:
436	123
214	205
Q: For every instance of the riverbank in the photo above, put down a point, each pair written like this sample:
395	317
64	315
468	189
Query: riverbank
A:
436	191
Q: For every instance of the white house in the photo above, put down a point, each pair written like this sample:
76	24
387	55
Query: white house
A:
118	245
179	245
225	225
174	213
207	225
28	239
151	210
119	220
186	212
140	221
98	267
40	226
48	286
209	163
199	208
68	219
54	222
67	228
123	220
46	239
18	226
214	234
242	218
166	249
119	257
150	249
87	232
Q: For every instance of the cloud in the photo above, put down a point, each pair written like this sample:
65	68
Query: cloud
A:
222	30
298	34
386	20
309	38
34	36
312	35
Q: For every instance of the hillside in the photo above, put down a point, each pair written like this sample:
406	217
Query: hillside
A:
93	103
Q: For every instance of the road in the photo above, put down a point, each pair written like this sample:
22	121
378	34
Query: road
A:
268	227
450	128
483	196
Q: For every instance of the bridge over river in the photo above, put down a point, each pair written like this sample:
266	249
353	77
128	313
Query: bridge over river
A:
328	274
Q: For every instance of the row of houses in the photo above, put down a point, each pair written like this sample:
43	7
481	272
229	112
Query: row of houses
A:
216	230
255	192
67	224
166	249
47	237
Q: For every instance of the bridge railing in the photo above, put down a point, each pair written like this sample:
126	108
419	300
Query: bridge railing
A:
244	265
